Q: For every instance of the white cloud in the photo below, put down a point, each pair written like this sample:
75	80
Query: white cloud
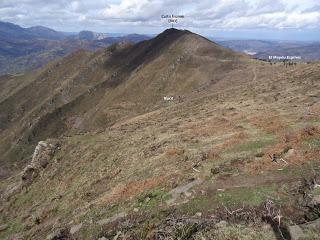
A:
218	14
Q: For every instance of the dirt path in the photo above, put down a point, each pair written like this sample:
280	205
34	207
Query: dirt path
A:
183	189
252	181
254	69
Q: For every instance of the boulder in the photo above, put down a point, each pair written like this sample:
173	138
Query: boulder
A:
290	153
29	173
60	234
76	228
41	157
299	231
312	225
4	227
43	153
315	200
295	232
11	190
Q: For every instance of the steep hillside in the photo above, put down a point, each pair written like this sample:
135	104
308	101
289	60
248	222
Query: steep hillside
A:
99	88
112	159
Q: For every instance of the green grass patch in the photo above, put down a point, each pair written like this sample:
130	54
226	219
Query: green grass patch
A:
316	191
253	146
314	143
311	234
151	199
297	126
245	196
100	213
87	139
236	232
232	198
91	232
25	198
15	226
198	204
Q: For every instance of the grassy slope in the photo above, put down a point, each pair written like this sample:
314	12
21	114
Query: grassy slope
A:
100	88
133	165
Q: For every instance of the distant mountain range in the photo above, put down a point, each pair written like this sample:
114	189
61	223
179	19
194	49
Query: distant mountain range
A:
309	51
89	35
23	49
12	31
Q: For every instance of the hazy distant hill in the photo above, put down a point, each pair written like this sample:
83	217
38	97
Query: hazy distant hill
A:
263	49
12	31
89	35
310	52
23	49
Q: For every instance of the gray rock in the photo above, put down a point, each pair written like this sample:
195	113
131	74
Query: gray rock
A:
3	227
314	224
61	233
42	155
315	200
222	224
11	190
295	232
291	152
103	238
29	173
74	229
182	190
112	219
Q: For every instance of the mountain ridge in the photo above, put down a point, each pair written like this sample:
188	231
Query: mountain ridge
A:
10	30
23	49
172	137
126	65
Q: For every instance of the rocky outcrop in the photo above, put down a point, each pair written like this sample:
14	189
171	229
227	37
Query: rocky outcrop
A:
60	234
43	154
301	231
41	157
29	173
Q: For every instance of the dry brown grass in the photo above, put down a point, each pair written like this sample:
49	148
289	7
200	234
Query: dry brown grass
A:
174	151
130	190
297	142
270	124
233	140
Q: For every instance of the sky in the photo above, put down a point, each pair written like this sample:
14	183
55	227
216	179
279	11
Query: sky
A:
236	19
